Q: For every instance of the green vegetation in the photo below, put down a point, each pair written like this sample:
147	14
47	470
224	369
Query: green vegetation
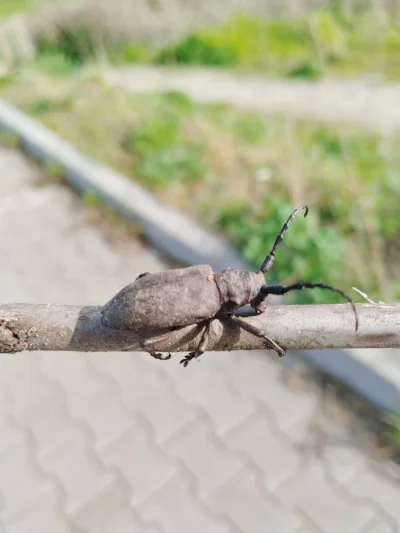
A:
9	139
242	174
12	7
324	42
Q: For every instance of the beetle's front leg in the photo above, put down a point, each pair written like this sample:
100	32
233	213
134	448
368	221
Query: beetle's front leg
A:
201	348
247	311
258	333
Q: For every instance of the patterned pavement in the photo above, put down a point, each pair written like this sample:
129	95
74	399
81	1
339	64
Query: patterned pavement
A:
123	443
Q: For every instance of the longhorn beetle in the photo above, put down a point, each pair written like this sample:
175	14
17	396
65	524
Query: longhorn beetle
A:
196	295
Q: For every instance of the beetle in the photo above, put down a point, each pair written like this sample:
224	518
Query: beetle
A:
196	295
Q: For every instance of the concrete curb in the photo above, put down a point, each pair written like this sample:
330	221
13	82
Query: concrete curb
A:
181	238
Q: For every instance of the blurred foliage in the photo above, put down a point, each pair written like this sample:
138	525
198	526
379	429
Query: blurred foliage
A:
242	173
307	47
75	44
325	41
11	7
9	138
52	62
130	53
161	152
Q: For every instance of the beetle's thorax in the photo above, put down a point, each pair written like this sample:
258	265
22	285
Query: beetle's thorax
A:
237	287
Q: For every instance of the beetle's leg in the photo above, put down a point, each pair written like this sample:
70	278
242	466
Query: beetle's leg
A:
153	354
159	356
201	348
248	311
280	290
258	333
148	343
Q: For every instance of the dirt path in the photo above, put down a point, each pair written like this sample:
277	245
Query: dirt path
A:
368	102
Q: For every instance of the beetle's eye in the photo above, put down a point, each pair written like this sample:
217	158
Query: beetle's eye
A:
142	275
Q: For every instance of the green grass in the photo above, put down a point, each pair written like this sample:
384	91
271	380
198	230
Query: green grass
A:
242	174
323	42
13	7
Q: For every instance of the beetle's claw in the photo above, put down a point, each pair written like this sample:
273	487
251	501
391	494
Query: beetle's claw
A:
185	361
160	357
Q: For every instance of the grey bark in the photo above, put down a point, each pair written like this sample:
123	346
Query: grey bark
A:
306	327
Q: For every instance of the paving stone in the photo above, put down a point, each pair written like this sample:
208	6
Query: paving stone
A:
288	406
9	434
222	403
80	474
313	491
47	421
21	481
44	514
264	445
140	462
72	374
103	413
344	458
381	525
110	512
154	399
126	370
202	453
178	511
376	485
250	511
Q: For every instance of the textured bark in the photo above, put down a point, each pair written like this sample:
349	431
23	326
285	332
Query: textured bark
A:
75	328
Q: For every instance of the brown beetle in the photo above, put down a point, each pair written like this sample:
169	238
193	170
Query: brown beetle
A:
194	295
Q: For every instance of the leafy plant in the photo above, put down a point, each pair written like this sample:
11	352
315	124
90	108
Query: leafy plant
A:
250	128
162	154
198	49
126	53
74	42
54	62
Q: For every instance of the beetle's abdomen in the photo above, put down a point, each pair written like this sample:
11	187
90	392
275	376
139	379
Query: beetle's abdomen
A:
165	299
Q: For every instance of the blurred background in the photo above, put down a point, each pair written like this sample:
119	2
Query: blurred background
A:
233	112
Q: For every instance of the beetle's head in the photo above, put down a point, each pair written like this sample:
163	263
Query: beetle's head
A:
238	287
257	281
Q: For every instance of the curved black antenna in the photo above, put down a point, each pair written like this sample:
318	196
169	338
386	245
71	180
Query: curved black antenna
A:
269	260
280	290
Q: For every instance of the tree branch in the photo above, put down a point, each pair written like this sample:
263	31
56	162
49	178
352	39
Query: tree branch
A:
307	327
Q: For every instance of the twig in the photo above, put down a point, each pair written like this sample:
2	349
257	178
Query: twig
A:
77	328
365	296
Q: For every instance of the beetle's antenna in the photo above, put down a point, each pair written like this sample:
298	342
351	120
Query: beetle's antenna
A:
269	260
280	290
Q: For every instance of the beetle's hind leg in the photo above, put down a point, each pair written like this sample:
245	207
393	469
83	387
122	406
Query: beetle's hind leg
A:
201	348
258	333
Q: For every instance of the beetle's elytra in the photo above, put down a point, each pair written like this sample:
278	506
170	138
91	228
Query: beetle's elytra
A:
197	295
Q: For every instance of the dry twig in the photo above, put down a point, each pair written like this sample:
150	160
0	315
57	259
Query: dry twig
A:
306	327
